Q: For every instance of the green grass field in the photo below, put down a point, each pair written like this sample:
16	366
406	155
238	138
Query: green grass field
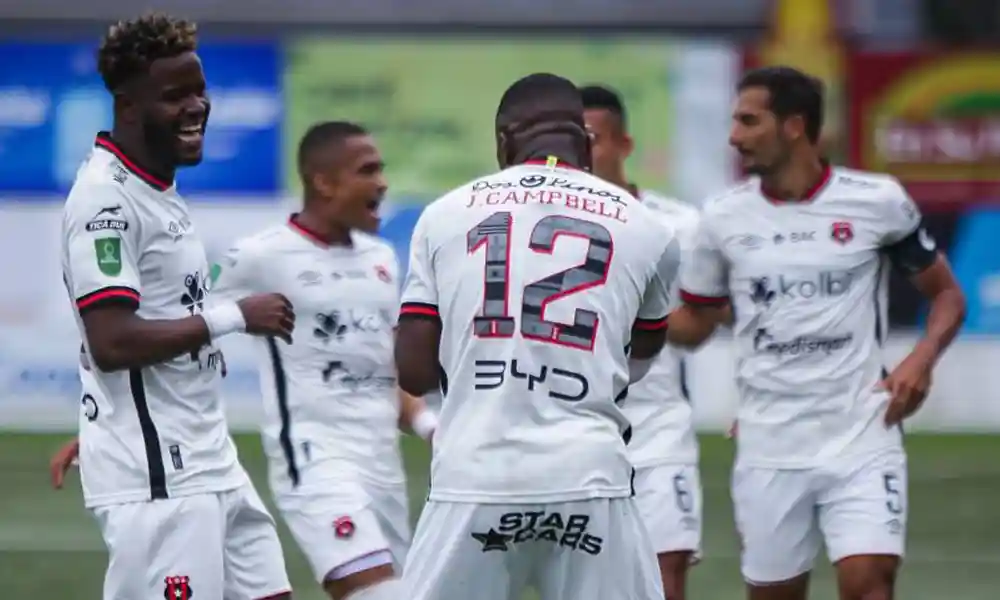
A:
50	547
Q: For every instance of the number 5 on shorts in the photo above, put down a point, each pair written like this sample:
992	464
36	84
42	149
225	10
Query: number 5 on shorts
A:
894	497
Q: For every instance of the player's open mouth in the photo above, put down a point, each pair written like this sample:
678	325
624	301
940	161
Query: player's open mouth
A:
372	206
191	134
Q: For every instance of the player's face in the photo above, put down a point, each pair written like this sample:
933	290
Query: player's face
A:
360	185
609	144
174	110
757	133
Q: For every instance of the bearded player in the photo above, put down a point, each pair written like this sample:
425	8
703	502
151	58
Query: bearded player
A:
331	401
159	471
664	448
802	250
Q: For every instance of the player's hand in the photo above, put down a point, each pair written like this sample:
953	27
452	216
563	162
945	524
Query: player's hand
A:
62	461
908	384
269	315
734	430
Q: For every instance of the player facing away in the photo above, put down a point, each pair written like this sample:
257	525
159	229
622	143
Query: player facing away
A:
524	289
663	448
159	471
802	249
331	402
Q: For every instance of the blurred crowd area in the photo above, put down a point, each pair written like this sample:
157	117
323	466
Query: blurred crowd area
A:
912	89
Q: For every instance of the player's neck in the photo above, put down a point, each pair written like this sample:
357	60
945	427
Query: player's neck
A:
137	151
621	180
542	147
321	230
798	181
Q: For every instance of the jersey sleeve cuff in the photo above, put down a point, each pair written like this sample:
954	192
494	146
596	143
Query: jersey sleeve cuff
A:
120	295
701	300
651	324
418	310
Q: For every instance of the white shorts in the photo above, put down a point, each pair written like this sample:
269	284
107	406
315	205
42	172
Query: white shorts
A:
217	545
346	521
857	506
586	550
669	500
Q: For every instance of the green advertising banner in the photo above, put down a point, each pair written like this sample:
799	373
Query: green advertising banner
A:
431	103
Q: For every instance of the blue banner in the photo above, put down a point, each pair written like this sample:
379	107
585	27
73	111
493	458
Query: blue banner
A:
976	263
52	102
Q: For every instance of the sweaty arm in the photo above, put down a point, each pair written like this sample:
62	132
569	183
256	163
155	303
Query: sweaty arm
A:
704	283
914	253
418	334
102	274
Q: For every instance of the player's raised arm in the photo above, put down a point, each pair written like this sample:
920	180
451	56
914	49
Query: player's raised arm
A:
418	335
704	284
913	252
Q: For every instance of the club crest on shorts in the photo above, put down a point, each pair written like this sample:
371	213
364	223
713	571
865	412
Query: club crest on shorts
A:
343	527
842	232
177	587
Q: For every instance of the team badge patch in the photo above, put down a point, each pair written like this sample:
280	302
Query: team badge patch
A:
343	527
177	587
842	232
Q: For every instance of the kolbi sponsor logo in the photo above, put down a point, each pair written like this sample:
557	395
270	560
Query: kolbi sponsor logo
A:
826	284
765	343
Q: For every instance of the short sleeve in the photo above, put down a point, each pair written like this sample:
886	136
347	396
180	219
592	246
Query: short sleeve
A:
419	296
101	249
704	276
657	299
904	239
233	276
392	266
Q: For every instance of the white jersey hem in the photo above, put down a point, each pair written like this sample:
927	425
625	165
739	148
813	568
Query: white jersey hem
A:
136	496
687	459
814	463
439	495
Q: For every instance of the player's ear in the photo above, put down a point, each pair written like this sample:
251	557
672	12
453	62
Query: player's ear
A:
628	145
503	153
322	184
794	127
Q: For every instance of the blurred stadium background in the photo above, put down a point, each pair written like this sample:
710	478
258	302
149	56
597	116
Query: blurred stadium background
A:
914	90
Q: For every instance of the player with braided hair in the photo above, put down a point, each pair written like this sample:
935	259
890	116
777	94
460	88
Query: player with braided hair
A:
159	471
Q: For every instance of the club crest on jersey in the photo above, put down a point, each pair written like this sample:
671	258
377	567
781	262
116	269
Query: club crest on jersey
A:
343	527
842	232
177	587
383	274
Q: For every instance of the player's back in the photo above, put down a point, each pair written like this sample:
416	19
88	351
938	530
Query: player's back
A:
540	272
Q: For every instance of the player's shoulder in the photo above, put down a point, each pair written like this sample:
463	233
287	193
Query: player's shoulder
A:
676	211
733	199
101	183
866	186
369	243
269	241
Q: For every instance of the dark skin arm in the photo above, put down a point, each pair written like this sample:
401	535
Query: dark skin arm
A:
910	381
119	339
418	340
690	325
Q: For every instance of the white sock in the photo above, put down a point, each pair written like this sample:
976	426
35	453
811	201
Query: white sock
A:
390	589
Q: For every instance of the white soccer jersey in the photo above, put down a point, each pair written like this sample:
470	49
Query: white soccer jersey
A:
808	285
658	406
330	398
159	431
537	274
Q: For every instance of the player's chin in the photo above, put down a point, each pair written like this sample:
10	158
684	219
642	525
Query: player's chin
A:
189	157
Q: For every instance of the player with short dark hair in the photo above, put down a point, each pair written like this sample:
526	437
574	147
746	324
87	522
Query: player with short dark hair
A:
801	250
524	289
332	406
159	470
664	448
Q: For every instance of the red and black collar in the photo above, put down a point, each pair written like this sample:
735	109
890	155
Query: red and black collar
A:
105	142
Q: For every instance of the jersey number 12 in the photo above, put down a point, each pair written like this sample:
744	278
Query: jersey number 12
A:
494	234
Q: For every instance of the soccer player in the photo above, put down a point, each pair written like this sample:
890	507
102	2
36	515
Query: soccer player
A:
331	401
159	471
524	289
663	448
801	249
